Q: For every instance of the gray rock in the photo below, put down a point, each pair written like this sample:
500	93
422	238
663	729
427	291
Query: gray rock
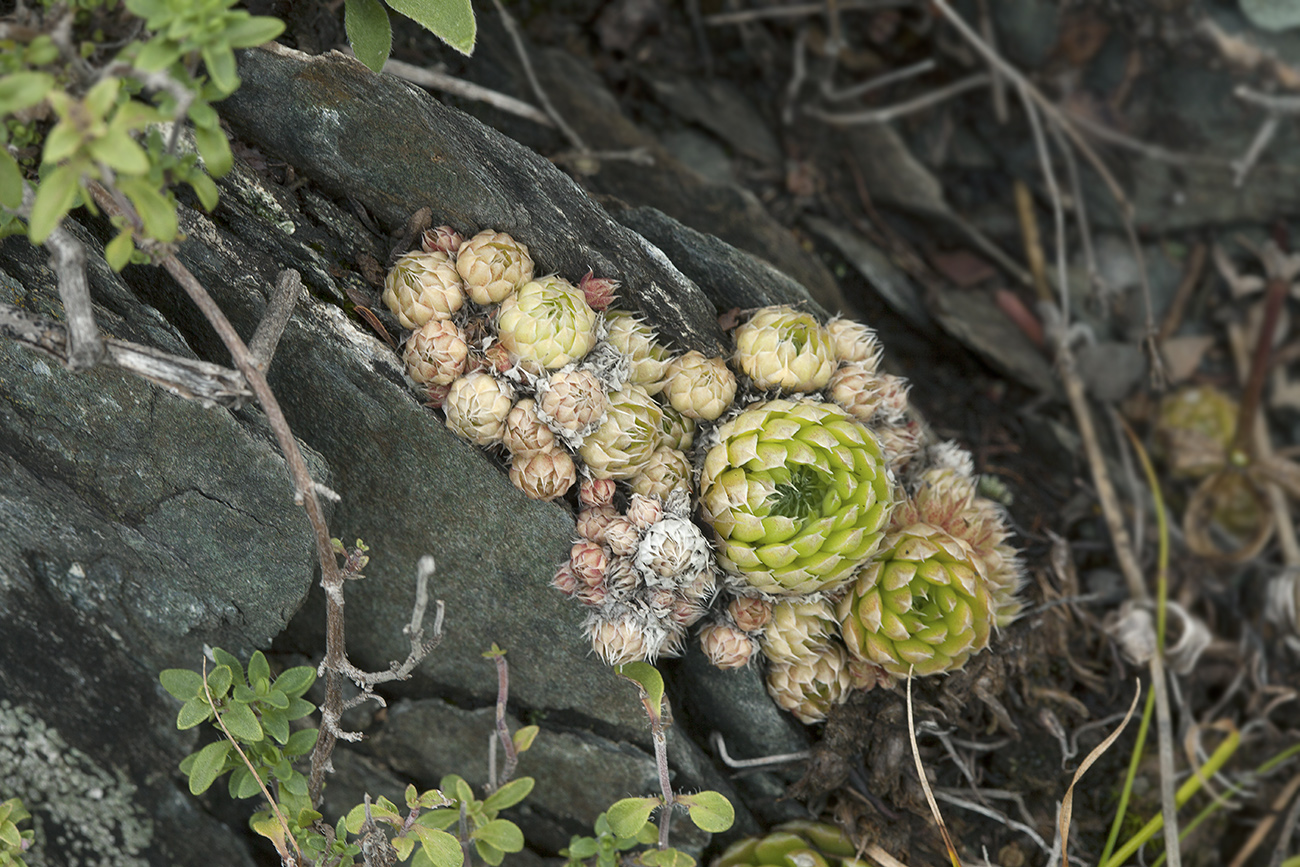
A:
729	277
898	290
720	107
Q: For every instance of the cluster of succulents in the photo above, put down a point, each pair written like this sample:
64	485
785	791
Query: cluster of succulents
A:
783	501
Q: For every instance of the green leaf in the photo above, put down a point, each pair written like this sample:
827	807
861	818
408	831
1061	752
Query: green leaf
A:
9	834
370	33
219	680
100	98
258	669
299	708
242	723
300	742
207	766
295	681
295	784
452	21
119	151
276	699
64	140
118	253
710	811
158	54
215	150
222	657
667	858
220	63
581	847
430	799
193	712
644	675
55	196
439	846
489	853
158	215
510	794
182	683
23	90
243	784
524	738
382	811
626	817
276	725
252	31
404	846
204	189
11	180
243	694
438	818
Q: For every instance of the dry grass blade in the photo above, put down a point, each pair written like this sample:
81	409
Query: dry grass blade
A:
1067	803
925	784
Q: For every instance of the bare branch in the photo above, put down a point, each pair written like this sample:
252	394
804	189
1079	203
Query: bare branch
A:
911	106
288	286
184	377
435	80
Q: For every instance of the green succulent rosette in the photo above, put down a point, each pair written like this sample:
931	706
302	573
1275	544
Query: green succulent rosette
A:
797	494
547	321
793	844
923	602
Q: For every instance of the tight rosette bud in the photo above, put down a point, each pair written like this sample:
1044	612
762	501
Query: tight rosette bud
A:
794	844
423	286
667	470
750	613
878	398
493	265
622	537
599	291
671	548
636	340
524	433
644	510
726	646
699	387
629	435
588	561
593	520
436	354
808	688
798	630
566	580
678	430
922	602
547	322
443	239
622	637
900	444
797	494
854	342
543	475
572	402
782	348
476	408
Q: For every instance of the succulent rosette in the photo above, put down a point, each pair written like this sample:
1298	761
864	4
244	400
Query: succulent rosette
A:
547	322
623	443
779	347
679	431
477	406
798	629
854	342
636	340
493	265
923	602
665	471
436	354
810	686
423	286
797	494
869	396
727	646
699	387
793	844
545	474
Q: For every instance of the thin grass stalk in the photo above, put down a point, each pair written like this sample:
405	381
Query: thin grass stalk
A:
1125	793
